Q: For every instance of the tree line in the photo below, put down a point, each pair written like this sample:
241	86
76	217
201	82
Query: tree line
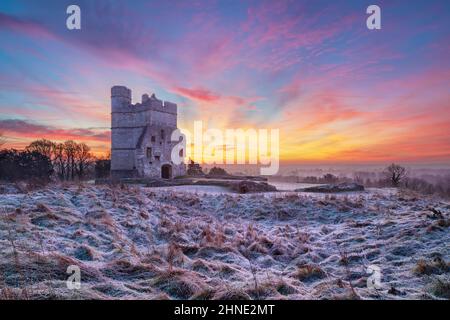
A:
45	159
70	160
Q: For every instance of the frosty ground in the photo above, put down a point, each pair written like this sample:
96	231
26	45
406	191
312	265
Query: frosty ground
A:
161	243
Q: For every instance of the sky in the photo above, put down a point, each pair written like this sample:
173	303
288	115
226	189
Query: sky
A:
337	91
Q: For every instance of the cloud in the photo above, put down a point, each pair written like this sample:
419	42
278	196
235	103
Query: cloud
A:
336	90
197	94
30	130
27	27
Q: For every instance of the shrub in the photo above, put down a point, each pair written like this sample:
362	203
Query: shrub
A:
216	171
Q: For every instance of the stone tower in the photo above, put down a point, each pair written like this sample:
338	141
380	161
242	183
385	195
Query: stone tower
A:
140	136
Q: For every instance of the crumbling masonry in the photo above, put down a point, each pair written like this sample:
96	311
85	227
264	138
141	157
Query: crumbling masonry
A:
140	136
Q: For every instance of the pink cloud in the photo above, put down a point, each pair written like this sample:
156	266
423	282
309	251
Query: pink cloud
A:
29	28
197	94
25	129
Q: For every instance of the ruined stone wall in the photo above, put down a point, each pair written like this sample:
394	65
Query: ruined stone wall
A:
137	127
123	132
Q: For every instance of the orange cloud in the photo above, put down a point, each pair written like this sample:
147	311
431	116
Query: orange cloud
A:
23	132
198	94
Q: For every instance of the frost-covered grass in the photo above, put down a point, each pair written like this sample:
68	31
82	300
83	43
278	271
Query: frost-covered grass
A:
145	243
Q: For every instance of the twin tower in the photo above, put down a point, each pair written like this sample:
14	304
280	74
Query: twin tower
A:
140	137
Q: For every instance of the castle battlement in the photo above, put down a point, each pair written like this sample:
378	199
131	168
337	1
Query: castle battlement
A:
121	97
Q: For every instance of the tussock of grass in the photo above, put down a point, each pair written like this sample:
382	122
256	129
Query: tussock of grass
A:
231	294
179	285
434	266
84	253
126	270
37	268
42	207
309	273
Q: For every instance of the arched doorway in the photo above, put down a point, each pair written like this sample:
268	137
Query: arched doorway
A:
166	171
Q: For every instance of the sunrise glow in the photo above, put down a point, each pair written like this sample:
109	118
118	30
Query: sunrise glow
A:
337	91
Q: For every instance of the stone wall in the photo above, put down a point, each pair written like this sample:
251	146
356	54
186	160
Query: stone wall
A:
132	129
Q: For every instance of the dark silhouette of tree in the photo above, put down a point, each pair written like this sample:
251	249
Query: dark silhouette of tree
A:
36	165
59	160
329	178
70	159
43	146
8	165
216	171
102	168
395	174
309	179
194	169
42	158
70	151
83	159
24	165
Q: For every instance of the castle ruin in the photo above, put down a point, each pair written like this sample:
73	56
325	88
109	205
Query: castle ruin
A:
141	143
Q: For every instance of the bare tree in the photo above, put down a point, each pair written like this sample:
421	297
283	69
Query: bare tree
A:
70	150
43	146
83	159
59	160
69	159
395	173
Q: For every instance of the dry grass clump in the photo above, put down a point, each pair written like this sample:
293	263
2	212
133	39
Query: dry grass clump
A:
348	295
274	288
30	186
8	293
205	294
110	290
123	269
258	248
231	294
180	284
225	270
174	255
439	225
435	266
46	216
99	214
444	223
263	291
202	266
35	268
84	253
309	273
278	250
212	236
42	207
284	288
